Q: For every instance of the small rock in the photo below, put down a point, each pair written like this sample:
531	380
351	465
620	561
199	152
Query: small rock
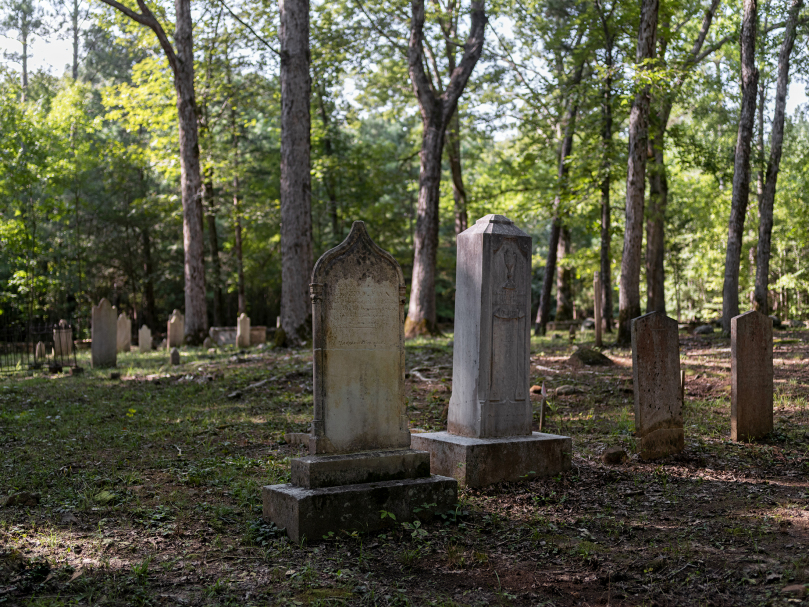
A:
207	343
23	498
588	323
536	389
68	518
568	390
174	357
296	438
794	590
614	456
589	358
115	375
704	330
211	350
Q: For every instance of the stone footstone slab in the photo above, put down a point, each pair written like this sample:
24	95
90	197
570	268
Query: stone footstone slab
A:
477	462
313	513
315	471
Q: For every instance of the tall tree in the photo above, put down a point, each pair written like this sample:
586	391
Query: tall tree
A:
564	290
25	18
181	61
767	199
296	185
741	164
436	107
629	293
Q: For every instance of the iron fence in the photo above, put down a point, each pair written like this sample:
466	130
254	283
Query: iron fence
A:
36	346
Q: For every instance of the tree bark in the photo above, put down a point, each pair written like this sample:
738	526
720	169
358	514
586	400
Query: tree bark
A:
150	315
767	199
74	26
436	110
458	189
182	66
213	238
629	293
564	293
328	177
296	185
741	165
656	215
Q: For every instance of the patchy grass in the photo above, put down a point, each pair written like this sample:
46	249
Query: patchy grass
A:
150	492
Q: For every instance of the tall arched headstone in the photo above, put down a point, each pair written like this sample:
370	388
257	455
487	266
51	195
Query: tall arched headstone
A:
175	332
489	437
104	346
124	333
658	394
360	460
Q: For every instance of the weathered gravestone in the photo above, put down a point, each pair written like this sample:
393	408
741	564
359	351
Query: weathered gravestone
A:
63	339
40	352
243	331
145	339
658	393
489	437
175	333
223	336
124	333
103	348
258	335
360	462
751	388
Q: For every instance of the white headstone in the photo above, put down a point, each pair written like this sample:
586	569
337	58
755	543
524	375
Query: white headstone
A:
358	295
103	348
40	353
145	339
124	333
175	333
243	331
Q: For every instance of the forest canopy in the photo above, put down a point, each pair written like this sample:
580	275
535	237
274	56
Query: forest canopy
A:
91	199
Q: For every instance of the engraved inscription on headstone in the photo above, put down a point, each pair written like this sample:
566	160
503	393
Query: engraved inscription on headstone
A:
656	374
751	390
103	348
358	308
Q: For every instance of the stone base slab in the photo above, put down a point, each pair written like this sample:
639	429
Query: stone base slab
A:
313	513
476	462
315	471
661	443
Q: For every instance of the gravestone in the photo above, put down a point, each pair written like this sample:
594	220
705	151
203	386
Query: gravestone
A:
360	461
243	331
124	333
258	335
751	388
658	393
174	357
489	436
40	352
63	339
145	339
104	345
223	336
175	333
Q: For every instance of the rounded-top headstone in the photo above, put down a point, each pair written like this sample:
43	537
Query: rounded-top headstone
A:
358	295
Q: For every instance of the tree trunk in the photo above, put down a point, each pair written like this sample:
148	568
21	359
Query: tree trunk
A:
296	186
629	293
741	165
436	111
458	190
328	177
150	319
564	292
237	245
606	173
216	266
656	215
74	26
767	200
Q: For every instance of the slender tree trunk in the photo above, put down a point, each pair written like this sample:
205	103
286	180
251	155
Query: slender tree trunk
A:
741	165
148	281
24	36
606	183
328	177
237	213
216	266
629	293
564	292
436	111
767	200
296	186
656	215
458	189
74	25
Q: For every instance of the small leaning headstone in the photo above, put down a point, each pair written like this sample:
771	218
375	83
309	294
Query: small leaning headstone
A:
104	346
489	437
145	339
360	460
175	333
174	357
751	370
658	393
124	333
243	331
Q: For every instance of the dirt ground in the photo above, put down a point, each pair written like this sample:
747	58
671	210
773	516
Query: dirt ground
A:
149	491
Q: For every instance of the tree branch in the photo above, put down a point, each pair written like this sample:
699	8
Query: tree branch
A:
730	37
418	77
472	52
252	31
148	19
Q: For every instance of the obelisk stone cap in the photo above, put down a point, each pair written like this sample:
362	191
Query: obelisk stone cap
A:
495	224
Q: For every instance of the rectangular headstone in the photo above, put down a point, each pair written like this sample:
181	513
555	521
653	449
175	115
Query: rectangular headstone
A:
63	339
104	346
243	331
175	333
258	335
658	395
358	300
124	333
751	388
145	339
223	336
491	354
